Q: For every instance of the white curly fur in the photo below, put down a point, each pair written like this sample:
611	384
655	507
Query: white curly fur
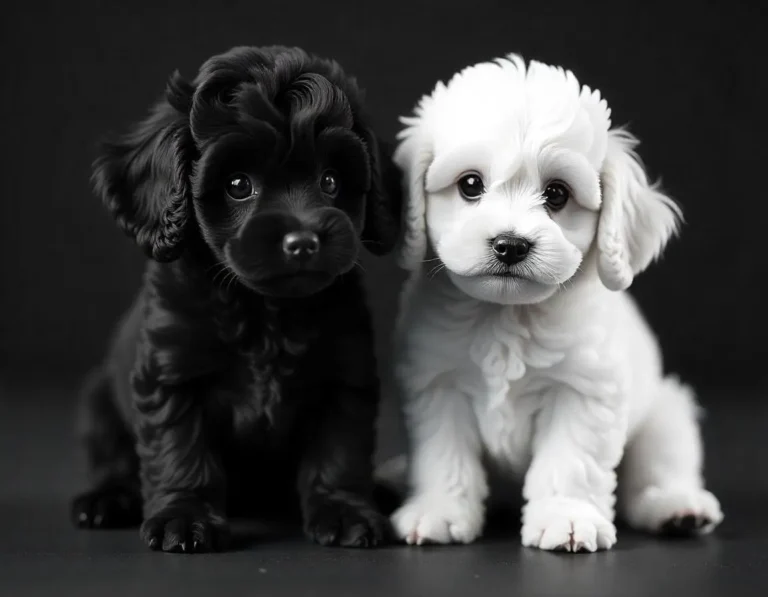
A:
553	375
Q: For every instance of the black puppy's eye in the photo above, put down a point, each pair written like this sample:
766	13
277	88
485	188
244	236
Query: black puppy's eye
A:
239	187
471	186
556	195
329	183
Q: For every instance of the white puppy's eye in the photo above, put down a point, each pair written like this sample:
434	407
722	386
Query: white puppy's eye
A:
471	186
556	195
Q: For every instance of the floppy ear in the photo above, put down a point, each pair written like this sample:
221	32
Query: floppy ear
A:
143	177
414	159
384	200
636	218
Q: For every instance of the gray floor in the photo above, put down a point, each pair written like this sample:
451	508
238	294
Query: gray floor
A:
40	554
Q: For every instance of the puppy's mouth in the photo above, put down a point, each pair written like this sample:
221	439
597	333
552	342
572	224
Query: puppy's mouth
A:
292	285
503	272
505	286
507	274
499	273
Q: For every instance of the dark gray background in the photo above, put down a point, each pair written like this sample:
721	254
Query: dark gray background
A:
686	76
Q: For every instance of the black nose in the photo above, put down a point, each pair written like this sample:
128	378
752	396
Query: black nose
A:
300	245
510	249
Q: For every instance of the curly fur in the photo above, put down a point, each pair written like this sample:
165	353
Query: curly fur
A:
537	366
241	382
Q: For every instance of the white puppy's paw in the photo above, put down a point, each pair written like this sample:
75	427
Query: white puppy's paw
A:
566	524
688	511
438	519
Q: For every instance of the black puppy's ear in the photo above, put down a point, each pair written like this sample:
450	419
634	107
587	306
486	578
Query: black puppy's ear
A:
143	177
384	201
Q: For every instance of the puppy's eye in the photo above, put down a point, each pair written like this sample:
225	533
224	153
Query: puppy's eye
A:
239	187
556	195
471	186
329	183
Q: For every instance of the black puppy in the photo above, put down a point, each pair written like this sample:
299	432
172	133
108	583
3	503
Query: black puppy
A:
244	375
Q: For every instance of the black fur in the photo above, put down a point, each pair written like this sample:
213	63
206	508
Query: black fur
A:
242	382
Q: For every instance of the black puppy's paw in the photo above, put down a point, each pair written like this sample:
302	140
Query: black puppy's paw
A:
185	530
340	523
109	507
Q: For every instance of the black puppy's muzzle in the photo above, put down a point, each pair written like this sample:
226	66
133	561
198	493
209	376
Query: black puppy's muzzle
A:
288	254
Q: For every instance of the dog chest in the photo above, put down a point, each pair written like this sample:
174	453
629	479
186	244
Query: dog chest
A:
518	358
508	355
506	426
256	398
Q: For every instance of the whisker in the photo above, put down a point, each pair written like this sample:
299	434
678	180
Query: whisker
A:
436	270
223	269
230	279
217	264
223	273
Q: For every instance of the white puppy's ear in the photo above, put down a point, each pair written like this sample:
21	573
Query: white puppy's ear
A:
636	219
413	157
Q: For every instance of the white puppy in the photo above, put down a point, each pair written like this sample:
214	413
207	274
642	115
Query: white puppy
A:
527	218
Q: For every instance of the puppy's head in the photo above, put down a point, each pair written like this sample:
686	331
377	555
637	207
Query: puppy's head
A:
267	159
514	176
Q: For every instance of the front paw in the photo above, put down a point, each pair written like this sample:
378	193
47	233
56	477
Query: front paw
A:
185	529
108	507
345	522
566	524
438	519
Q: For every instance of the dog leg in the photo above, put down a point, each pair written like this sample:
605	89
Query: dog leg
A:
448	481
335	481
182	481
661	487
570	484
114	500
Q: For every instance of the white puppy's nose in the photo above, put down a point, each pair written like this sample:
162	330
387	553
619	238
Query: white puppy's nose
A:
510	249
